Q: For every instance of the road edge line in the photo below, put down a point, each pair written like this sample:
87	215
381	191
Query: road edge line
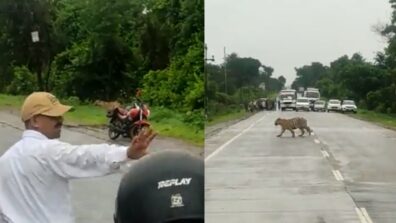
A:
231	140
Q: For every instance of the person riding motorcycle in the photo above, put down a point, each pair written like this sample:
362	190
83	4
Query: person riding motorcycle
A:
128	121
132	111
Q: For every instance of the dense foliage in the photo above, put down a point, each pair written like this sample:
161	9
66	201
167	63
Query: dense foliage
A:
231	85
371	84
105	49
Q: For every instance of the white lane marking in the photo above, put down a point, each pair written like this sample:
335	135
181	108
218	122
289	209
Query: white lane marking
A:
231	140
338	175
325	154
360	214
366	215
335	175
317	141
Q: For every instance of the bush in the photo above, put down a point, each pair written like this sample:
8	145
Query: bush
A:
181	85
235	107
380	108
373	99
195	118
362	103
73	100
194	98
224	98
23	82
161	113
215	107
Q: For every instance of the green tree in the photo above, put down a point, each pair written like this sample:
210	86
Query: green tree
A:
17	20
309	75
99	49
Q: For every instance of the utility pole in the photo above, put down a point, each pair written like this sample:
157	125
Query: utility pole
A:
206	80
225	72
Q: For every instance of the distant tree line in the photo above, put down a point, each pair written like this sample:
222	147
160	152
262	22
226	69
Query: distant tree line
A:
237	81
371	84
105	49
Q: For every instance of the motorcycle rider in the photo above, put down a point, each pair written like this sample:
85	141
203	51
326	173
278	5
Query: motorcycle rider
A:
137	106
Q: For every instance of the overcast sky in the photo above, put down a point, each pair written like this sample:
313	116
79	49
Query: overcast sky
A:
285	34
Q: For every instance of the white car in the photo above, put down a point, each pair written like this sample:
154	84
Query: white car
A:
348	106
334	105
302	104
319	105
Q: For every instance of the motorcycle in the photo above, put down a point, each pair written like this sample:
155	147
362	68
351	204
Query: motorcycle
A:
128	122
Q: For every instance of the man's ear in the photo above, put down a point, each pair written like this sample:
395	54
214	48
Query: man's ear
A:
33	122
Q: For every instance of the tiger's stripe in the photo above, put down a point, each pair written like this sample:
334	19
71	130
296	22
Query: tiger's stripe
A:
293	123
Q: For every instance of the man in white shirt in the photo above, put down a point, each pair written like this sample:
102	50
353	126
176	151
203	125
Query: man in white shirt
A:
35	172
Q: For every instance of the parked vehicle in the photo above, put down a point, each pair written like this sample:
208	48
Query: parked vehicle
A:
333	105
287	99
128	122
319	105
348	106
302	104
312	94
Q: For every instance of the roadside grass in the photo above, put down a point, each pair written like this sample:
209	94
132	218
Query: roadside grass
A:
10	101
87	115
225	117
164	121
386	120
170	123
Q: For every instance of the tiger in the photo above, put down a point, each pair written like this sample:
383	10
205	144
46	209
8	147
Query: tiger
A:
293	123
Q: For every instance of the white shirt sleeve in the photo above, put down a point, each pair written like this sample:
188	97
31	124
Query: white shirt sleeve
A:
80	161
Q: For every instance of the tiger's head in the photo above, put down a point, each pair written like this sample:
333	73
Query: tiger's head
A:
277	121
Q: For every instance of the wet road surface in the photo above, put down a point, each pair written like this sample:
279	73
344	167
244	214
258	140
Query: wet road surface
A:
345	172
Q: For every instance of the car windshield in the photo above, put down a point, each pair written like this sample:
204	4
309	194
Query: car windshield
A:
287	96
348	103
334	102
319	102
302	100
312	94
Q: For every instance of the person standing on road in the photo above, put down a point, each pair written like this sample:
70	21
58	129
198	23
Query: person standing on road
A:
35	172
169	189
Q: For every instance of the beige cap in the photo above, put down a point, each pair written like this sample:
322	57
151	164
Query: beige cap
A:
42	103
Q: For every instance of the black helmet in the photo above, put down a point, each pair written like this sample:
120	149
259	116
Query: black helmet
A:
163	187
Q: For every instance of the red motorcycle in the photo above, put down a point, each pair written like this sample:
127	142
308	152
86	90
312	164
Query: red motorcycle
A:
128	122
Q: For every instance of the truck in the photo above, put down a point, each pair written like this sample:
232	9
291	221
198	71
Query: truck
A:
287	99
313	95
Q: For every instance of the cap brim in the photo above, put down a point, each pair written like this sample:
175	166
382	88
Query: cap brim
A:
58	110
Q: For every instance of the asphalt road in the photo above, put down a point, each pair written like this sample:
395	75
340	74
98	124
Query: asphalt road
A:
94	198
345	172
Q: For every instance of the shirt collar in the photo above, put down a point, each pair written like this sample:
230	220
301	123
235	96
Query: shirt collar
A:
33	134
